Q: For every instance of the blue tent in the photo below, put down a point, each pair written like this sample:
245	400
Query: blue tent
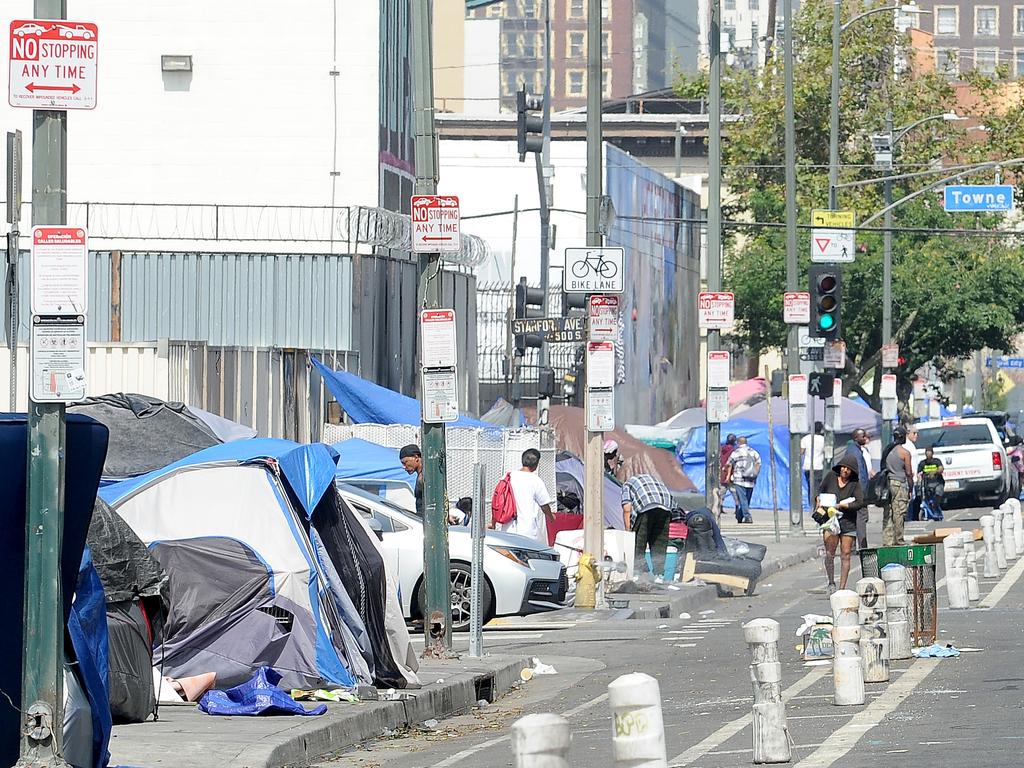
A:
367	403
363	459
692	457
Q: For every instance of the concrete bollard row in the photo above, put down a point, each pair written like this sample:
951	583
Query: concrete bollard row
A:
971	565
1018	525
897	616
638	730
956	572
874	635
1009	542
847	674
1001	563
990	568
541	741
771	736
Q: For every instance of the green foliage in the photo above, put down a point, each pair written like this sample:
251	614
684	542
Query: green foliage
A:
952	293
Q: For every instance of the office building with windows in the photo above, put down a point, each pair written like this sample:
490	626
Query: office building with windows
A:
976	36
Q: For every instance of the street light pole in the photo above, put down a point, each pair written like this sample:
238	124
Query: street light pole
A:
796	507
887	272
712	479
833	123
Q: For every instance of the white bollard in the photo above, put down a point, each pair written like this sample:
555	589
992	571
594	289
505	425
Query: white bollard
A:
874	637
897	618
1001	563
771	736
971	565
847	674
991	567
541	741
638	739
956	572
1009	544
1018	525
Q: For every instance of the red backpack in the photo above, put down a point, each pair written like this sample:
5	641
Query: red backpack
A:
503	502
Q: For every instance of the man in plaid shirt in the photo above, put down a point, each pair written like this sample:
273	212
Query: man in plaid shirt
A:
645	511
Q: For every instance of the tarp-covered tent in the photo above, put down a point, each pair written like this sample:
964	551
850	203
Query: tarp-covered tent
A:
503	414
367	403
85	448
692	457
569	478
249	586
853	416
359	459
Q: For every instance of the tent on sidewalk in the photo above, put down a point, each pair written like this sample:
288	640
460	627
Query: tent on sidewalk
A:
853	416
359	459
251	581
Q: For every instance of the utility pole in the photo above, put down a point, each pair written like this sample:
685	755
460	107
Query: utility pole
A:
593	494
887	268
543	161
796	507
42	674
833	132
14	167
437	630
714	430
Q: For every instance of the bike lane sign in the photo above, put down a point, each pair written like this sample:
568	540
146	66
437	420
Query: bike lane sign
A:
593	270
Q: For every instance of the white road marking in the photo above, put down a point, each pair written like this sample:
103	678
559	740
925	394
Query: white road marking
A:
999	591
747	751
843	740
685	645
729	730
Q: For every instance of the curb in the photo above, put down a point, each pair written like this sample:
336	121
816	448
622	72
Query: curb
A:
313	739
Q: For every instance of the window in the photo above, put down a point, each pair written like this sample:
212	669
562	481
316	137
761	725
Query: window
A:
754	5
576	45
606	83
575	82
1018	20
576	9
606	44
530	45
947	20
729	5
1018	63
606	9
528	9
496	11
946	63
985	60
986	21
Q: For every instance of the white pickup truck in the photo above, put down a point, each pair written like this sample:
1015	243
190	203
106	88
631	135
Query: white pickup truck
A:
974	463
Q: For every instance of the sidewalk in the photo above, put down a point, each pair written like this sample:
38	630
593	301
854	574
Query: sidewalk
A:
184	737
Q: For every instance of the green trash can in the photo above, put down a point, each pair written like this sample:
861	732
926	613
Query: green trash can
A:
919	560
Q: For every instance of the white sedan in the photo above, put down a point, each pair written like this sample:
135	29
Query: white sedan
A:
522	576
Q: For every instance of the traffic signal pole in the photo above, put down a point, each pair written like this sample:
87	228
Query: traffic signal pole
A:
543	161
42	681
437	619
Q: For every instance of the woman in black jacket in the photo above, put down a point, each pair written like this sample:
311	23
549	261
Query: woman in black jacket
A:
843	483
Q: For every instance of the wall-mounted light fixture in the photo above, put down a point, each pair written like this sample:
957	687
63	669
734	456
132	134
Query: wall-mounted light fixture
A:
175	63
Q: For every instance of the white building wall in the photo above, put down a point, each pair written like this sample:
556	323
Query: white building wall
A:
258	120
482	79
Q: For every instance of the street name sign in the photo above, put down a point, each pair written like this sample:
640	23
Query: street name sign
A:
796	307
437	336
553	329
716	309
436	224
593	270
977	197
1004	362
59	271
53	64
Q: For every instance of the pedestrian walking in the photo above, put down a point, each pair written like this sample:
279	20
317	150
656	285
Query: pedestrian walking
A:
840	497
533	502
646	510
724	476
897	462
812	448
857	446
412	462
745	466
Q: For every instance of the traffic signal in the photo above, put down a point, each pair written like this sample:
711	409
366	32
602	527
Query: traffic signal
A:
573	301
826	285
529	125
529	303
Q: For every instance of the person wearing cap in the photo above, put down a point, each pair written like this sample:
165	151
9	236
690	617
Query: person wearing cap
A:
412	462
838	519
896	461
613	461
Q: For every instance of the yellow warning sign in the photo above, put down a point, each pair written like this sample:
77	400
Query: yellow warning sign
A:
832	219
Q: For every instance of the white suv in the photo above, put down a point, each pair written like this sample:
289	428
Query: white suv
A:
975	467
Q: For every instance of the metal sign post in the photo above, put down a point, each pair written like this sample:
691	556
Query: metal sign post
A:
13	218
476	564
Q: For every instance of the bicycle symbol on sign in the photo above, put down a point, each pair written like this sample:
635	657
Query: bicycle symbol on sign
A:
595	263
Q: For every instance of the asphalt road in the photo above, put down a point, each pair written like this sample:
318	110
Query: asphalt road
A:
934	712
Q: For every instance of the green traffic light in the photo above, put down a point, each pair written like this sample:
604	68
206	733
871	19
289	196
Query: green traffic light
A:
826	322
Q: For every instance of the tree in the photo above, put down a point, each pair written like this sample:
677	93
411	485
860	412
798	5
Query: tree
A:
953	292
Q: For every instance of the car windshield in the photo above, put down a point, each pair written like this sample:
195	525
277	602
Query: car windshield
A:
953	434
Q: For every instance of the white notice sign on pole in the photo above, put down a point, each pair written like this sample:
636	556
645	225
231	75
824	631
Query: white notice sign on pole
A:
603	313
890	355
717	406
796	307
798	388
600	410
716	309
437	335
835	355
53	64
888	387
600	365
57	360
718	370
436	224
59	271
440	396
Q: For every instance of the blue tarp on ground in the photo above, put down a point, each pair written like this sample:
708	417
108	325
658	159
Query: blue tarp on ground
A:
367	403
363	459
691	456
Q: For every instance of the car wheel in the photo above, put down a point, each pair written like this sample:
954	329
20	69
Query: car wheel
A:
461	596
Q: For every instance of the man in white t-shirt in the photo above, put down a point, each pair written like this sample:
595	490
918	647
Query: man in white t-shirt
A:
533	503
813	449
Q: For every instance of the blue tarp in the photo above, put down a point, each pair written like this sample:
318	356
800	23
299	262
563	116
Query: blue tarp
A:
367	403
691	456
87	628
257	696
362	459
